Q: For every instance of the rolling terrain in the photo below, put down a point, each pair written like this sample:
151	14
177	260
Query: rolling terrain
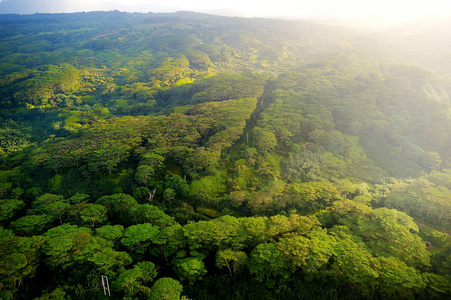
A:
223	158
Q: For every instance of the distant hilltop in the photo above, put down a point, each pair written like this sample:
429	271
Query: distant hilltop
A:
68	6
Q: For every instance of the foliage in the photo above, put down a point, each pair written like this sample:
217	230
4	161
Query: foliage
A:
249	158
165	288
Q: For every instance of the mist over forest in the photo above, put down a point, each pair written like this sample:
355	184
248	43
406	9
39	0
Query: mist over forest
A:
194	156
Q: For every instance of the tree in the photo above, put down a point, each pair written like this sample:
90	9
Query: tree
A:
393	233
79	198
79	202
396	279
138	237
268	263
178	185
144	174
265	140
154	160
141	194
170	240
146	213
19	258
108	260
165	288
320	253
190	268
296	250
94	213
118	206
168	195
8	208
56	294
436	285
43	201
233	260
58	209
52	205
111	233
67	245
351	262
30	225
135	280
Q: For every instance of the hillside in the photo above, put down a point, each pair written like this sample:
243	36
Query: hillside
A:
216	157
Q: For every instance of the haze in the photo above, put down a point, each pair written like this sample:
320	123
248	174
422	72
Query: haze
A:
381	12
383	9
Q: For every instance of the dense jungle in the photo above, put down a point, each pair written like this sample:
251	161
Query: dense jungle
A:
192	156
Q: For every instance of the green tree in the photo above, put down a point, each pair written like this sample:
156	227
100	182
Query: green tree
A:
52	205
30	225
190	268
135	280
165	288
296	250
352	263
56	294
41	202
93	214
396	279
8	208
108	260
267	263
111	233
58	209
144	174
118	206
154	160
178	185
19	259
139	237
168	195
79	198
265	140
146	213
68	245
141	194
233	260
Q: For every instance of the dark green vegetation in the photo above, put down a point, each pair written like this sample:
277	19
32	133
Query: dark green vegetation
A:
218	158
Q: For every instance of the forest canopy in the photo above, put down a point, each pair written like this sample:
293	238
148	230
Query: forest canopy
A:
191	156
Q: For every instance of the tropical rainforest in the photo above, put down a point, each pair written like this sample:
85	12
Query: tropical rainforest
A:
192	156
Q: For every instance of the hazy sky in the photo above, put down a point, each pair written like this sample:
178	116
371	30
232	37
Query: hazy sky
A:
381	9
374	12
